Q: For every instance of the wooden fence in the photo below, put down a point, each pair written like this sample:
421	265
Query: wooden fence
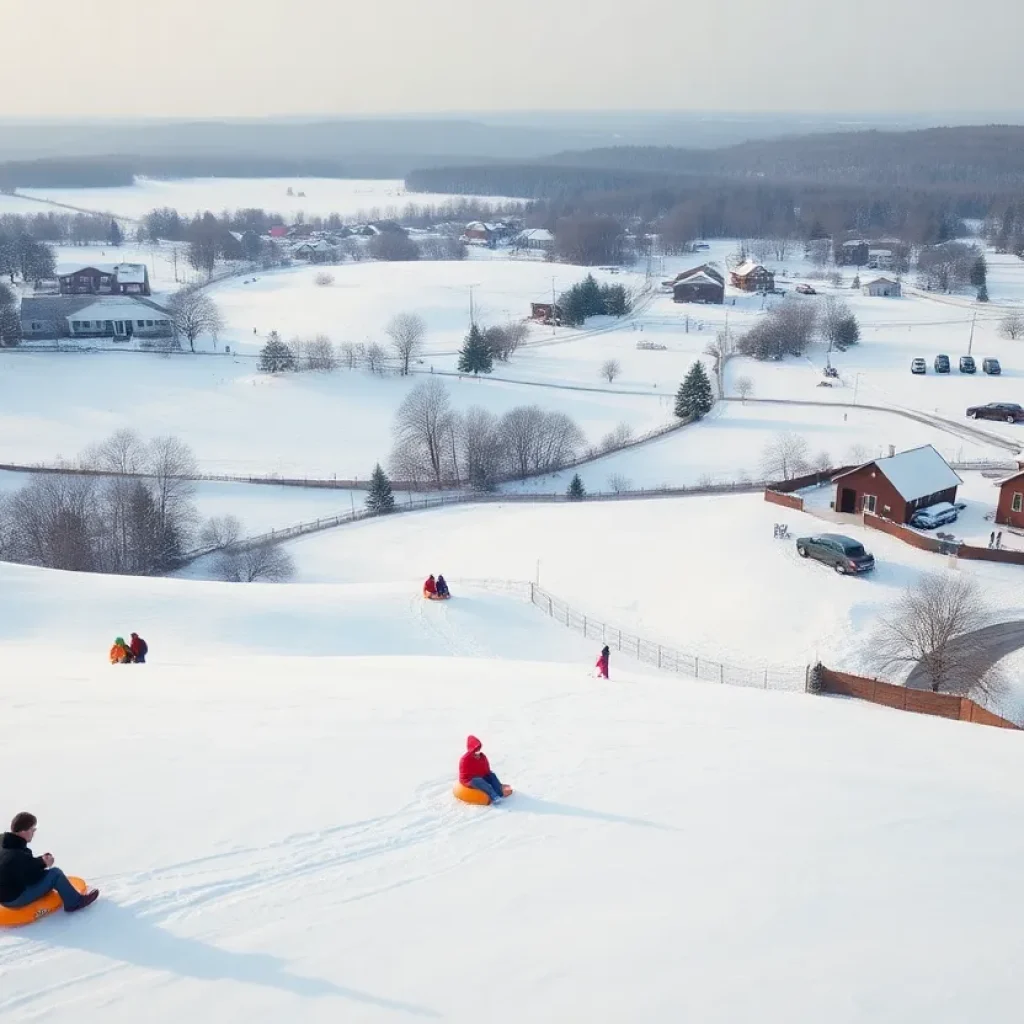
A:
786	500
922	702
942	547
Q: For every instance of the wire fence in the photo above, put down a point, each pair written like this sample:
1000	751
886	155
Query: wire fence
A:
667	658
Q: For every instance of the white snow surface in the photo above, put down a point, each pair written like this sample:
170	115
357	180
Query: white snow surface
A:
348	197
266	808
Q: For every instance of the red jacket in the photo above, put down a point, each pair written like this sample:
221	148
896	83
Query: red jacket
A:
473	765
430	586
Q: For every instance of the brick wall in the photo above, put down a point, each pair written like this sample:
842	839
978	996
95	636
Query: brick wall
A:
917	540
922	702
787	500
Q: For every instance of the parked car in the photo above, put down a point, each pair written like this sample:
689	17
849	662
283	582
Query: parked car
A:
934	516
942	364
805	289
844	554
1010	412
918	366
967	364
991	366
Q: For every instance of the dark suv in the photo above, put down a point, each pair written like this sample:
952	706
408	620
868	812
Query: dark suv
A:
967	364
1010	412
844	554
942	364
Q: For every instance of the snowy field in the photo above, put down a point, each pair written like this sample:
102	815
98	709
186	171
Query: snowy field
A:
703	575
285	845
365	296
242	422
348	197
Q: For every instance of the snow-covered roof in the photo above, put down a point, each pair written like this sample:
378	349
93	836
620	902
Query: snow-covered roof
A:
698	277
853	242
130	273
118	306
915	474
746	268
878	280
476	225
879	252
1019	475
63	269
538	235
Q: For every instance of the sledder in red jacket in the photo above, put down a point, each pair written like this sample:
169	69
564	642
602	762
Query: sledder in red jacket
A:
475	771
430	587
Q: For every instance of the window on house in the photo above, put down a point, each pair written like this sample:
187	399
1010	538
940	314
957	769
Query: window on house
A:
149	323
36	325
86	324
1017	503
869	502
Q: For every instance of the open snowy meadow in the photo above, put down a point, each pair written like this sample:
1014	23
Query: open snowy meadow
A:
266	807
313	197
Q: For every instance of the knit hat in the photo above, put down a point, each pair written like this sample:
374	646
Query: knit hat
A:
473	744
120	640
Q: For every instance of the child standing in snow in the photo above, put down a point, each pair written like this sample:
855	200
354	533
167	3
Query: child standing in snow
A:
602	662
120	653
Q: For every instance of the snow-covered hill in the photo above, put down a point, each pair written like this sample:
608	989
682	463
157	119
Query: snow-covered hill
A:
267	810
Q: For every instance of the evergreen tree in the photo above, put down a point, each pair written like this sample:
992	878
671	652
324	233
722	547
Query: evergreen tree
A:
380	499
276	356
576	491
694	398
616	302
979	272
476	356
115	236
591	298
983	293
855	284
847	333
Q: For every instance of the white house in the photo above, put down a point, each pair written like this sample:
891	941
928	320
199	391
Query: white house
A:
536	238
120	318
882	287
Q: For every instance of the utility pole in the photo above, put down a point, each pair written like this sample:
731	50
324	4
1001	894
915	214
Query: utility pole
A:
554	328
472	317
970	342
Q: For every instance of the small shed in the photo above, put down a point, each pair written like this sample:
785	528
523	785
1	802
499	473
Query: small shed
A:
1010	509
883	287
896	487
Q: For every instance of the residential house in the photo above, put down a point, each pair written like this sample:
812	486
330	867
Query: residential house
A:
896	487
103	279
854	252
699	284
536	239
319	251
752	277
120	318
479	233
545	312
880	259
45	318
882	287
1010	509
279	231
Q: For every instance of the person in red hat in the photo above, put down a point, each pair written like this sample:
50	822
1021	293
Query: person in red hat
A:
475	771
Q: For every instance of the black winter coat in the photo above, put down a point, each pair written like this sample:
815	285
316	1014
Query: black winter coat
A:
18	868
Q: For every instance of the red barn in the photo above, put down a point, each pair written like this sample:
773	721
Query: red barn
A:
1010	510
896	487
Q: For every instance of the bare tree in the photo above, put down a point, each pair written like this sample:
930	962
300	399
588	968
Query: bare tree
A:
784	457
173	466
50	522
220	532
617	438
618	484
744	387
1012	325
934	626
536	441
324	279
483	460
610	369
406	332
258	563
780	246
819	251
822	462
423	425
375	358
320	354
193	313
857	454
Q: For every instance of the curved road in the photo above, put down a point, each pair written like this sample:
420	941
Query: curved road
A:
996	642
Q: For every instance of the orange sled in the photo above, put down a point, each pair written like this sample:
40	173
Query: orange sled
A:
435	597
470	795
41	908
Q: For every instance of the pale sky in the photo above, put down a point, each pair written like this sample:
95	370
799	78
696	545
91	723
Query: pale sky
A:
206	58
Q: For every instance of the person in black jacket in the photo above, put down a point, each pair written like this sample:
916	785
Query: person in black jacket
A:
25	879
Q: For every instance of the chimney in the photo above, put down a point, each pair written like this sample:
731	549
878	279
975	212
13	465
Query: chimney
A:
892	450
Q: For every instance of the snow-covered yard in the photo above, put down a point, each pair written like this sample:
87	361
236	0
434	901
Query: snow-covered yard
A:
266	808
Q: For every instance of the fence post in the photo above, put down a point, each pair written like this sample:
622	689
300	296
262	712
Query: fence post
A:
721	672
766	678
584	625
659	655
550	609
532	601
638	648
696	668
